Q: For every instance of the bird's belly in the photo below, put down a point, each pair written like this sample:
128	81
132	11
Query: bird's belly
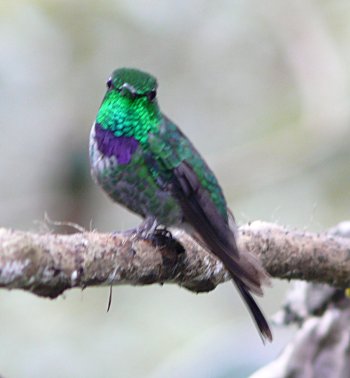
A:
132	186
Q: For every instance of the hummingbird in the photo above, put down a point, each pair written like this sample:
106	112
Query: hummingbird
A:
144	162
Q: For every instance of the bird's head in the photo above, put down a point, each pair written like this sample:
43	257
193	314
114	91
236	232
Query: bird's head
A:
130	106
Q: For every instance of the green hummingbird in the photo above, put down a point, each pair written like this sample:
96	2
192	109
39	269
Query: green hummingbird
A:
143	161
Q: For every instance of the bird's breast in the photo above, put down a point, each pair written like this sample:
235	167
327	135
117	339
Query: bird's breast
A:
124	175
121	147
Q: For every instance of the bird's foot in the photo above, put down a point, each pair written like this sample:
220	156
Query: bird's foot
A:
163	238
145	230
157	234
171	250
162	231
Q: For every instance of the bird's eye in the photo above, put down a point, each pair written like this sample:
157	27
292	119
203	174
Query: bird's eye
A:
109	83
152	95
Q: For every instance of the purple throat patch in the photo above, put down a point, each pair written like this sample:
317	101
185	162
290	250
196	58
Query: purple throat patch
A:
110	145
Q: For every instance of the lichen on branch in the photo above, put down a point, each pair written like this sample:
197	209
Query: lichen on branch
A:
48	264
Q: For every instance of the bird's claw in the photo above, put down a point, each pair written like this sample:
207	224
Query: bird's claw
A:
157	234
162	237
162	232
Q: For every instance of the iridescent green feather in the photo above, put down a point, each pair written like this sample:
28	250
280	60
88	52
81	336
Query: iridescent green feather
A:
170	148
128	117
141	81
140	118
166	178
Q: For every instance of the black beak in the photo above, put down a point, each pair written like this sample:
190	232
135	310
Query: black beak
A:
128	90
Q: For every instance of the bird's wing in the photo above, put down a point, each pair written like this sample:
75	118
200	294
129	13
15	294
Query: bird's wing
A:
199	195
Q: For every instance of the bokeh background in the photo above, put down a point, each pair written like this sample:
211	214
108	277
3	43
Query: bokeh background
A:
261	87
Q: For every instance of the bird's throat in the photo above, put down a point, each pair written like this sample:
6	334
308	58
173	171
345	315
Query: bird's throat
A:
122	147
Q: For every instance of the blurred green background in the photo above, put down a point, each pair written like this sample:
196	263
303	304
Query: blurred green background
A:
261	88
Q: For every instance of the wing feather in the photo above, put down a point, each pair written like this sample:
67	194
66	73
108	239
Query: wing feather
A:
201	213
182	166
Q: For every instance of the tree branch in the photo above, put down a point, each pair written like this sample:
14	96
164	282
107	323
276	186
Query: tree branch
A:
48	264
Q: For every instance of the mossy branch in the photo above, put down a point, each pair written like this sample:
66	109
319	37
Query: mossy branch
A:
48	264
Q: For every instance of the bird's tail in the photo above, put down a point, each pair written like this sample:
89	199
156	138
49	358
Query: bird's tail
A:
258	316
248	276
251	281
247	273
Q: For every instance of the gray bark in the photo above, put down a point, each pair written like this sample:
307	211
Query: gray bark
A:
48	264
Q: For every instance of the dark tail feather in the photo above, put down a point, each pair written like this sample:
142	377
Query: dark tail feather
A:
255	311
